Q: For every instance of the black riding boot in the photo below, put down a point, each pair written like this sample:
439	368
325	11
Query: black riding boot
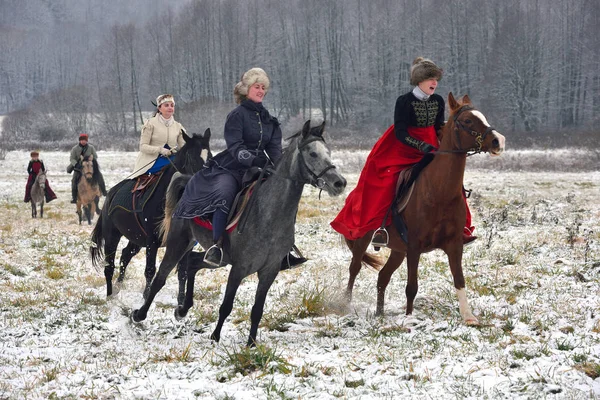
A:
291	261
214	255
74	182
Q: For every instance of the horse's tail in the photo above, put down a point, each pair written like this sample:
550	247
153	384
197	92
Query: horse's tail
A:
367	258
97	249
174	192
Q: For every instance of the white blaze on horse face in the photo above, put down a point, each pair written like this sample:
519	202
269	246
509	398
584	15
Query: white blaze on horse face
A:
204	155
499	137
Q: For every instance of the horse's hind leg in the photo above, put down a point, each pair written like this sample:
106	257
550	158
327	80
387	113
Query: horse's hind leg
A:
42	210
358	248
233	282
412	279
188	267
152	246
126	255
392	264
266	276
33	209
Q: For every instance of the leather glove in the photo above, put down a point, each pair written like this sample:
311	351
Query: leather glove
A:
164	152
427	148
260	160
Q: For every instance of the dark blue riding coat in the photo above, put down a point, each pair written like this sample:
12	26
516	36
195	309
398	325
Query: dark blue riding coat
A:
249	130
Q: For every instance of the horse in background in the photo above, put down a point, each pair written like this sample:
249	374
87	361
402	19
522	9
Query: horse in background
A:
435	214
140	227
88	190
38	194
264	235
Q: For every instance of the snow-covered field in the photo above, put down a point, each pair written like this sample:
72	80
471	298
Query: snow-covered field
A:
533	279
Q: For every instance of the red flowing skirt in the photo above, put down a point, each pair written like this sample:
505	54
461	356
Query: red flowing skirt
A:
366	206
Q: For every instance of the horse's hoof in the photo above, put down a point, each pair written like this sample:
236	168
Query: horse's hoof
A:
179	313
215	337
136	316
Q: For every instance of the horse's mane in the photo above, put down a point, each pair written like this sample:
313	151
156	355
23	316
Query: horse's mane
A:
96	174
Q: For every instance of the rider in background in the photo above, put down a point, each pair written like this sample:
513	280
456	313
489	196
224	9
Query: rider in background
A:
80	151
418	119
253	138
33	169
161	137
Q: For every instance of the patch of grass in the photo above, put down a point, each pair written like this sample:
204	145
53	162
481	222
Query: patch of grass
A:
353	384
591	369
92	300
204	315
313	304
174	355
50	374
508	326
55	273
328	329
13	270
246	360
277	322
522	354
565	345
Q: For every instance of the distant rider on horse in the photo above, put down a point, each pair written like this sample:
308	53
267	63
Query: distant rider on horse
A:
33	168
80	151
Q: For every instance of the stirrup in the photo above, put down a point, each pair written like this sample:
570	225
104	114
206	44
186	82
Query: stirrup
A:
380	238
209	260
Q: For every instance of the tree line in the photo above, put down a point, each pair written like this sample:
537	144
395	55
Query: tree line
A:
532	66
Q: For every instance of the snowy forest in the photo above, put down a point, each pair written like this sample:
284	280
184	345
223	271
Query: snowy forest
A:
68	66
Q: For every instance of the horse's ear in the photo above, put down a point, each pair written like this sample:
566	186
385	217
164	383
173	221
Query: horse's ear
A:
320	129
452	102
306	129
207	133
466	99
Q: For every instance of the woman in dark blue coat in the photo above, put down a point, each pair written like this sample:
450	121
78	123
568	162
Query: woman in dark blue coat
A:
253	138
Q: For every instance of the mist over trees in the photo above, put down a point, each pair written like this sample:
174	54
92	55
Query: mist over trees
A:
532	66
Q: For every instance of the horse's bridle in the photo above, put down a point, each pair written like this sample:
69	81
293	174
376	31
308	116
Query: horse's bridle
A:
316	179
479	136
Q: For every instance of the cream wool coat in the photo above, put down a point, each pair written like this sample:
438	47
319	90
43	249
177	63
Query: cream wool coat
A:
154	136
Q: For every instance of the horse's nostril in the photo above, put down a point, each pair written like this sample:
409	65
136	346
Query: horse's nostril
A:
340	184
495	143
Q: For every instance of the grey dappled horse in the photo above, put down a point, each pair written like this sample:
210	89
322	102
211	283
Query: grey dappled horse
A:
264	237
37	194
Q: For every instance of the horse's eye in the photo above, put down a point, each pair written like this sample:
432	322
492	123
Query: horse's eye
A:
468	121
313	154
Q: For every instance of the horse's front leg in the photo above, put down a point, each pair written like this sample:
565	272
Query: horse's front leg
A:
383	279
233	282
175	251
33	209
455	261
266	276
42	210
412	279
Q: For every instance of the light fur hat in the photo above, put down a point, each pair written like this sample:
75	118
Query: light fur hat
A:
164	98
423	69
250	77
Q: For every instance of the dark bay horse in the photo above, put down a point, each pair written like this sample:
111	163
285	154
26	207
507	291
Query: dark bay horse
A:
88	189
37	194
265	235
142	230
435	213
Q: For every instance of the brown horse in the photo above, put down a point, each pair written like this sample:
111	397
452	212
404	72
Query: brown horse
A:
88	191
435	213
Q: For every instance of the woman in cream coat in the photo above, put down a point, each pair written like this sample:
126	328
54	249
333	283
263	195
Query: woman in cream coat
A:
161	137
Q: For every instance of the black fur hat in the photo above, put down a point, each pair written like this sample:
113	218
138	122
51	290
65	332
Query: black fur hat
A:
423	69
